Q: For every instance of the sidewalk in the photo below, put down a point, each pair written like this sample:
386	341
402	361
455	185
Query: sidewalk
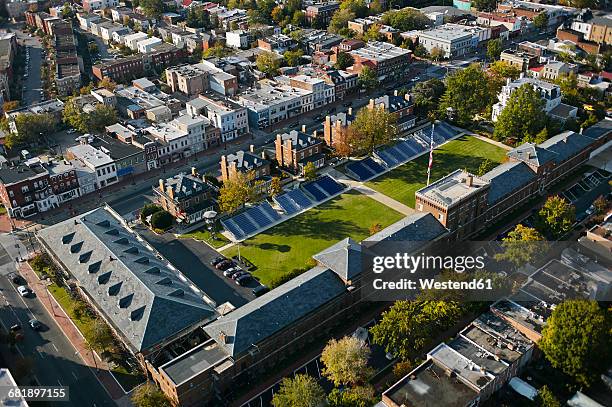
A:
98	367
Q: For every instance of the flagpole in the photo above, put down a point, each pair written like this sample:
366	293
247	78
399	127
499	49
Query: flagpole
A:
431	148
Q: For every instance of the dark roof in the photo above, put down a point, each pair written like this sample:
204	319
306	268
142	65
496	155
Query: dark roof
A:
240	330
566	144
418	227
141	294
393	103
532	154
343	258
598	130
507	178
298	138
22	172
246	161
186	185
195	361
562	111
344	118
116	149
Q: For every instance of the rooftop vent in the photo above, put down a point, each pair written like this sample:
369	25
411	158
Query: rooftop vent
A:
132	250
122	240
105	223
137	313
142	260
164	281
114	232
153	270
177	293
125	302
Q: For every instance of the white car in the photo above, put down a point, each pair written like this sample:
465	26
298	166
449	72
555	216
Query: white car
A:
71	131
23	290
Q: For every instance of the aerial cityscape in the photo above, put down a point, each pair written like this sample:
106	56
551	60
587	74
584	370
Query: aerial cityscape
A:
306	203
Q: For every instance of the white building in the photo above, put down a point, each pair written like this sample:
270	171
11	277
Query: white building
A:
270	103
549	92
99	161
131	40
322	92
146	46
85	20
237	39
454	41
226	115
107	29
195	126
92	5
174	142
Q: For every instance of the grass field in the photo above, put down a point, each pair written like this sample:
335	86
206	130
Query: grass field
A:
205	236
290	245
465	152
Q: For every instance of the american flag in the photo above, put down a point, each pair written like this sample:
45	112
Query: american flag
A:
431	148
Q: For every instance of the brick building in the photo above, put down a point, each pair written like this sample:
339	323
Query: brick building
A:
296	149
245	162
386	60
335	123
321	13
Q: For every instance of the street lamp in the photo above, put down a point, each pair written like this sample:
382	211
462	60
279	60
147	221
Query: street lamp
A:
209	218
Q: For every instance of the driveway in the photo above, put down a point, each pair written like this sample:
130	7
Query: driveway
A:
193	258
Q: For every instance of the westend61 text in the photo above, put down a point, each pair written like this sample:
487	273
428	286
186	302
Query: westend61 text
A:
432	284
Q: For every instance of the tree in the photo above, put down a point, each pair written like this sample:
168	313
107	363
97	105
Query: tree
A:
67	12
276	187
523	115
301	391
556	217
600	205
236	191
310	171
406	19
10	105
503	70
436	53
346	361
267	63
484	5
372	127
426	96
541	21
522	245
293	58
108	84
161	220
357	7
100	117
372	34
152	8
148	210
577	340
375	228
339	20
217	51
367	78
344	60
100	336
360	396
344	141
408	325
494	49
546	398
148	395
30	127
467	93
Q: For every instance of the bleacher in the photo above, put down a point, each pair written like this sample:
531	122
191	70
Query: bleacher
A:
250	221
329	185
314	191
293	201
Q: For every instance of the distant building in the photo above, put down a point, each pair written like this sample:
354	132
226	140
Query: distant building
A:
198	78
336	123
452	40
386	60
186	197
294	150
226	115
245	162
321	13
401	107
92	5
595	26
97	160
519	59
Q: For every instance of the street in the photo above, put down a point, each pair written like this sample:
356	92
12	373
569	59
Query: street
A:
32	84
55	362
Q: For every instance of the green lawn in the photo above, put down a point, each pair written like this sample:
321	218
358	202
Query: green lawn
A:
465	152
291	244
204	235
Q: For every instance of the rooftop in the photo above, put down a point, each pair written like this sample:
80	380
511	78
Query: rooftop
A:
91	155
380	51
448	32
453	188
21	172
140	293
419	227
196	361
506	179
298	139
246	161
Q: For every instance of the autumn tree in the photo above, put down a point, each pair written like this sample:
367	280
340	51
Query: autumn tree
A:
408	325
373	126
503	70
406	19
108	84
236	191
344	140
556	217
375	228
267	63
300	391
152	8
310	171
523	116
339	21
576	339
546	398
275	186
10	105
436	54
358	396
522	245
541	21
346	361
149	395
293	58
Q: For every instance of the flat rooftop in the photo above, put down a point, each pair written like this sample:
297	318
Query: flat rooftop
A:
448	33
453	188
430	386
380	51
196	361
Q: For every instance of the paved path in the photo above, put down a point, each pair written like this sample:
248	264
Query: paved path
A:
98	367
488	140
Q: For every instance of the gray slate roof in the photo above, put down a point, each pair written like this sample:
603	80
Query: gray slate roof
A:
531	153
186	185
275	310
414	228
141	295
507	178
566	144
343	258
246	161
598	130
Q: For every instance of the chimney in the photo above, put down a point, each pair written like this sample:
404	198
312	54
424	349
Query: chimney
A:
350	111
303	128
395	92
161	185
508	80
522	75
314	133
170	192
194	171
408	96
263	155
328	120
252	148
469	180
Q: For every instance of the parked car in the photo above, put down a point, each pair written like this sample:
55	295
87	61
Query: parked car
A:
238	274
71	131
15	328
217	260
231	271
260	290
35	324
243	279
16	278
23	290
224	265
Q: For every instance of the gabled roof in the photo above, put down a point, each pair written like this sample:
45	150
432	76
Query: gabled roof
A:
598	130
246	161
142	296
566	144
343	258
186	186
507	178
532	154
239	331
419	227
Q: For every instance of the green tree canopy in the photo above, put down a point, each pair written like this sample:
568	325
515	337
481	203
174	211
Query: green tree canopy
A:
367	78
359	396
30	127
372	127
523	115
522	245
577	339
152	8
267	63
556	217
357	7
148	395
426	96
406	19
339	20
541	21
344	60
494	49
161	220
546	398
484	5
310	171
236	191
346	361
300	391
293	58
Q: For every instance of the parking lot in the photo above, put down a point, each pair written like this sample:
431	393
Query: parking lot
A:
584	192
193	259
